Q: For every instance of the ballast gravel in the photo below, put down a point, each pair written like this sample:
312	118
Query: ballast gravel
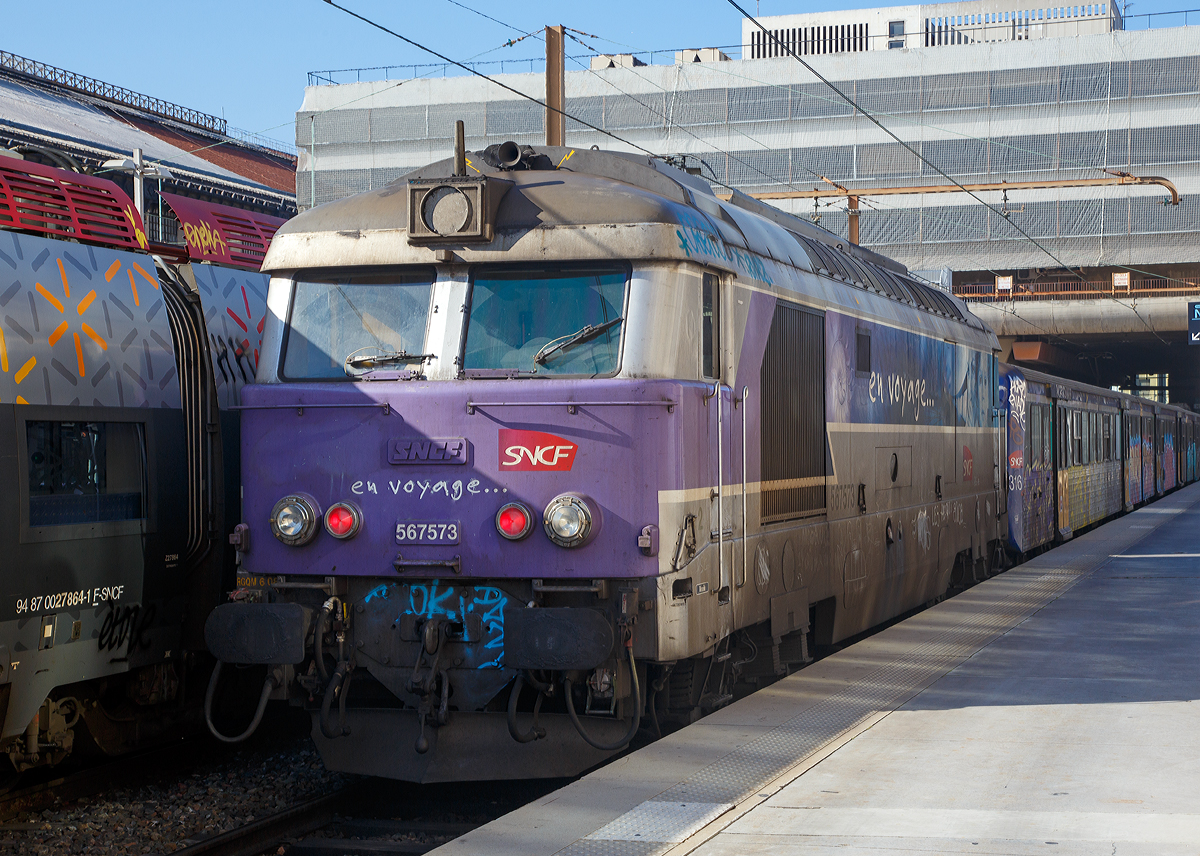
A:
162	817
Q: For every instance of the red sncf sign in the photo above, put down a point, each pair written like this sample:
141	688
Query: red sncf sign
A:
535	450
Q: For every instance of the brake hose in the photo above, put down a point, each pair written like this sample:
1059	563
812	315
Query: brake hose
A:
339	681
319	637
534	733
269	686
637	710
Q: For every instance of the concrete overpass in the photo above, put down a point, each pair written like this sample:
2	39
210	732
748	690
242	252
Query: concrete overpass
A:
1105	341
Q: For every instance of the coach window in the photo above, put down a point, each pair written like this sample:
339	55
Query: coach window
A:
711	325
1077	437
84	478
1067	440
862	353
1034	437
1046	435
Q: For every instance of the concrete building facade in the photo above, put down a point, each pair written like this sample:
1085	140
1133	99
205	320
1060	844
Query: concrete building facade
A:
929	25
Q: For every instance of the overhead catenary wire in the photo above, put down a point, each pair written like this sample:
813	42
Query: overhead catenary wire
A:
790	52
480	74
523	95
673	124
787	49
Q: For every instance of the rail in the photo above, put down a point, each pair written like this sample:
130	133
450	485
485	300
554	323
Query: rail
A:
1075	290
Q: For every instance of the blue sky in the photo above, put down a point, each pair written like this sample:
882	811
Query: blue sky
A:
249	60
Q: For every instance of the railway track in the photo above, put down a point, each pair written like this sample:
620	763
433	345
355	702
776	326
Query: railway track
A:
360	819
90	781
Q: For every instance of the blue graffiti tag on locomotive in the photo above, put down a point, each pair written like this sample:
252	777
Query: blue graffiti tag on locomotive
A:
696	236
435	600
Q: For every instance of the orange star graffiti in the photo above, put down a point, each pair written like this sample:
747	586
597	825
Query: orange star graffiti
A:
65	327
22	372
80	308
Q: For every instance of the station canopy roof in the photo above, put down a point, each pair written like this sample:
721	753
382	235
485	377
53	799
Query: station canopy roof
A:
75	121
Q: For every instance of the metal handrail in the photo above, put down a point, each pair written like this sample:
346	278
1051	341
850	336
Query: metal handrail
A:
119	94
1074	290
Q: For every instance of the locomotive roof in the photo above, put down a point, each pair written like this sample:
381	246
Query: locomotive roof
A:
564	187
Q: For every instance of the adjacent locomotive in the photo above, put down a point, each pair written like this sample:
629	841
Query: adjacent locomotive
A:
548	442
117	369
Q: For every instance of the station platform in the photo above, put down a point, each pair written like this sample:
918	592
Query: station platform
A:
1053	709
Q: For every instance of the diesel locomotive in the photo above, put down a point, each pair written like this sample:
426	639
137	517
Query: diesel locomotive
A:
548	443
119	363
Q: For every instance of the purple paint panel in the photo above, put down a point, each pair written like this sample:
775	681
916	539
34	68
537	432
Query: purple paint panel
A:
427	459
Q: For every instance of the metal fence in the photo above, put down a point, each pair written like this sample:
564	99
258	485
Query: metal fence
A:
162	230
1076	289
119	94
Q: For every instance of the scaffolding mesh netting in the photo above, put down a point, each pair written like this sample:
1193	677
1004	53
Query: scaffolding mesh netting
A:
1050	110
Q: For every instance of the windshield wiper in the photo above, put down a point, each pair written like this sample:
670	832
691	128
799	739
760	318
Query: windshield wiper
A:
382	358
577	338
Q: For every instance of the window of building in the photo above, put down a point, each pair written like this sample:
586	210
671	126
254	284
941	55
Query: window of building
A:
895	34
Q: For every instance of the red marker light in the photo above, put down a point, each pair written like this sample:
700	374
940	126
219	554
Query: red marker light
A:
514	521
343	520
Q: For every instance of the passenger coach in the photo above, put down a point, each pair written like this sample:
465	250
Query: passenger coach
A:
1077	455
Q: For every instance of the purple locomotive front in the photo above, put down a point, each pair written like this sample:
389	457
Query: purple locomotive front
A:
539	452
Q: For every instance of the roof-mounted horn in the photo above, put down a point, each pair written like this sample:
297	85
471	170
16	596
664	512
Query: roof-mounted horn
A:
456	209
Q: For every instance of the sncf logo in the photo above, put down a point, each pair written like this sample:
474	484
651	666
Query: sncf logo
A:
535	450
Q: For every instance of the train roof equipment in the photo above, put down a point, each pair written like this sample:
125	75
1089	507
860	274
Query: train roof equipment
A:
511	195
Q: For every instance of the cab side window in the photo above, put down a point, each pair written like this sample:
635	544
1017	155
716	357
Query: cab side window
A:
710	322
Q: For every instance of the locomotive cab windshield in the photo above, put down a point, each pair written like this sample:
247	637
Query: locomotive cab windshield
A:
548	322
340	324
534	322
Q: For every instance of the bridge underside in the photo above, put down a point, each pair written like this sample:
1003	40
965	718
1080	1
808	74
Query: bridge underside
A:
1106	342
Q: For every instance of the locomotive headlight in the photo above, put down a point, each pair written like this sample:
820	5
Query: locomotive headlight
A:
294	519
568	521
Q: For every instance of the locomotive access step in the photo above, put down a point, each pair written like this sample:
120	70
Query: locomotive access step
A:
1050	709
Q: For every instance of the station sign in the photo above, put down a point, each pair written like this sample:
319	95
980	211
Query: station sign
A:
1194	323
